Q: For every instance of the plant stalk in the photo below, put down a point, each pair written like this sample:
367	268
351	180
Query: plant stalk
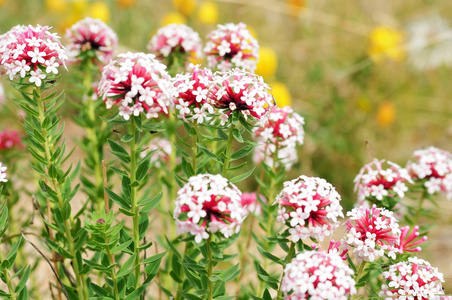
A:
286	261
227	160
209	270
112	270
8	280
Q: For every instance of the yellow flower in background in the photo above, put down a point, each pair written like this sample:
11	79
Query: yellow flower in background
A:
386	114
208	13
173	18
268	63
126	3
79	6
281	94
297	5
386	42
99	10
186	7
53	6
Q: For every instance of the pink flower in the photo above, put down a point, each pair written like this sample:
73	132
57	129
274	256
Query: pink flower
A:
412	279
10	139
310	207
371	232
3	173
31	51
379	183
209	204
241	91
139	84
433	168
317	275
91	36
176	41
162	154
407	243
192	90
251	203
232	46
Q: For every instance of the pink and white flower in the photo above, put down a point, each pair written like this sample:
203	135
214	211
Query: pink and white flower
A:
251	203
31	51
139	84
407	242
3	173
192	91
209	204
433	168
412	279
371	233
317	275
231	46
10	139
91	35
380	180
162	154
241	91
310	207
176	39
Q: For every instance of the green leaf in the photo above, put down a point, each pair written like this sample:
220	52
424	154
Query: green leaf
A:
119	151
151	203
270	256
143	169
189	296
126	268
237	135
154	258
208	153
117	199
136	293
241	177
23	280
242	152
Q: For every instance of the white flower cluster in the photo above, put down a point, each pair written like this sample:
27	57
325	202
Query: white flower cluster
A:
3	173
176	37
31	51
310	206
377	181
91	34
209	204
371	233
162	154
192	92
238	90
412	279
434	167
232	46
139	84
317	275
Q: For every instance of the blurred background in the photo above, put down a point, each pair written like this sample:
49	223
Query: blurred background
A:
357	71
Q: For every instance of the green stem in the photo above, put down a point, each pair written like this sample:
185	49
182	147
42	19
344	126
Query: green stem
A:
112	270
134	200
209	270
8	280
419	208
179	295
227	160
286	261
358	276
194	162
83	293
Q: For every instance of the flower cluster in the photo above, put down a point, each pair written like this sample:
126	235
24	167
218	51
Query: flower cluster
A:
3	173
407	243
412	279
310	207
232	46
192	91
371	232
162	154
31	51
284	128
10	139
138	83
176	39
376	183
317	275
209	204
266	153
92	38
433	167
251	203
241	91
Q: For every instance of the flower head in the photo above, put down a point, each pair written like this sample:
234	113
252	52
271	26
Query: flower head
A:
412	279
139	84
371	232
407	243
251	203
3	173
162	154
10	139
241	91
232	46
192	95
209	204
383	182
176	41
91	38
31	51
433	168
317	275
386	42
310	207
284	128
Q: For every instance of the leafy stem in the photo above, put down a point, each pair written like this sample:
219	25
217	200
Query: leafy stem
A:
288	259
209	269
195	148
112	270
8	279
227	159
419	208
